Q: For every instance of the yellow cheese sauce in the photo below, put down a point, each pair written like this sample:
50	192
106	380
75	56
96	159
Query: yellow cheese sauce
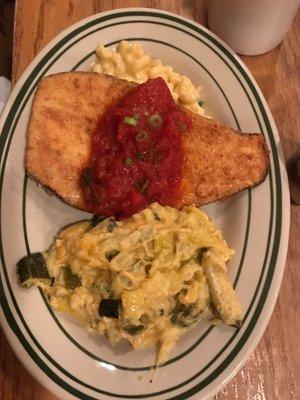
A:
160	271
130	62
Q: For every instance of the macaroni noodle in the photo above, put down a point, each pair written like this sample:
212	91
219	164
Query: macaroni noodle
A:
130	62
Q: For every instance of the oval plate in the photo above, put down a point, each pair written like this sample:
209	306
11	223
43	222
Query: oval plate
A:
72	363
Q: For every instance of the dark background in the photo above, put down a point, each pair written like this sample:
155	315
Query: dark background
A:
6	36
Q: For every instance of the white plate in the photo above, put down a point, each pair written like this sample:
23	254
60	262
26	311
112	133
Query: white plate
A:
68	361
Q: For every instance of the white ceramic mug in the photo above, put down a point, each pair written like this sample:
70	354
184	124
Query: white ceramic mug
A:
251	27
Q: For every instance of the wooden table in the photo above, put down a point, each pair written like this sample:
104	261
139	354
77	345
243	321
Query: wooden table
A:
273	371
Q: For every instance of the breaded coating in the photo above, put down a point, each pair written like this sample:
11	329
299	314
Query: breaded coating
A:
64	114
218	161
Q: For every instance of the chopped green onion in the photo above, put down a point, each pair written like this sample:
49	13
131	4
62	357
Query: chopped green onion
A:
140	156
155	121
182	127
131	120
141	136
86	177
144	185
128	161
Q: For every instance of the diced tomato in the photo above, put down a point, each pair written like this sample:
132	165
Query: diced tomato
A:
136	154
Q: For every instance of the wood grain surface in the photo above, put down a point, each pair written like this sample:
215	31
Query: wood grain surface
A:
273	371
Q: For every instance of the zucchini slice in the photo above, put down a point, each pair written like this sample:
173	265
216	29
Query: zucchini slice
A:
133	329
70	280
184	315
32	269
110	308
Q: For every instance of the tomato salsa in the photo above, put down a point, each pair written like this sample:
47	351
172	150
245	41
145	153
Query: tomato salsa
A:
136	156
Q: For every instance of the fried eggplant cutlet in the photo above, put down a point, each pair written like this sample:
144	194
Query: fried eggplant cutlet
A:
217	161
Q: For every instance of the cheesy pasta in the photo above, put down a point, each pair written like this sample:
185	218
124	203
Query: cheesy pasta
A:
129	61
146	279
